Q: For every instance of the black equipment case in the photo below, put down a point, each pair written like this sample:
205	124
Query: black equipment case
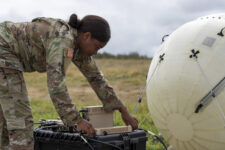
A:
54	138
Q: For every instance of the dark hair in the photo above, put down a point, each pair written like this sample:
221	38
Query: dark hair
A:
97	26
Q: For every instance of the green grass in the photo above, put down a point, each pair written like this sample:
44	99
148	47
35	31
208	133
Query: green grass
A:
127	77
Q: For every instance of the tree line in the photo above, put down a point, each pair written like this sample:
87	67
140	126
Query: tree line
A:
132	55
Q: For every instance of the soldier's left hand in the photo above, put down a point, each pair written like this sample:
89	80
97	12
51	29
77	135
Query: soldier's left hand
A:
128	119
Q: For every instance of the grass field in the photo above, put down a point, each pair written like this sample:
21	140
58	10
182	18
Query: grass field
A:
127	77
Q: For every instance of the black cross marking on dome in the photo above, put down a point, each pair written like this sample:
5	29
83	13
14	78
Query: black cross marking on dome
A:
161	57
194	53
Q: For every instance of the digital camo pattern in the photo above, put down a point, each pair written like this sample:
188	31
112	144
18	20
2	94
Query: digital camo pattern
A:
97	81
16	121
42	45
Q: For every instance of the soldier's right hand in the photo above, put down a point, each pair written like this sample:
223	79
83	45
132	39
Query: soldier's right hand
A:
86	127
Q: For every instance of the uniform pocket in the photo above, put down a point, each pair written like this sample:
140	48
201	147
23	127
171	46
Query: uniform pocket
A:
3	85
15	81
14	102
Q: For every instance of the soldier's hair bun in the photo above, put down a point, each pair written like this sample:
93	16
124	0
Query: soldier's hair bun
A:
96	25
74	21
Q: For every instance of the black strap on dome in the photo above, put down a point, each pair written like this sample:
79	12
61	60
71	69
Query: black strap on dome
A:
221	32
161	57
163	38
211	94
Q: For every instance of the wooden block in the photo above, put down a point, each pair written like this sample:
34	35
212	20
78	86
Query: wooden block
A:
113	130
98	117
94	109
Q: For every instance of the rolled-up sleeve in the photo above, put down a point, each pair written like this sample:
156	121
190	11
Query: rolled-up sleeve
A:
98	83
67	111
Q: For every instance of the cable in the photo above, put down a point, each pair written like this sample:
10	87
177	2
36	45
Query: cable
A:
134	111
105	143
45	125
144	119
157	137
216	103
89	145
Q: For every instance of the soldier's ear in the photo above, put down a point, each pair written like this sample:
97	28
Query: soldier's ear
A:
87	35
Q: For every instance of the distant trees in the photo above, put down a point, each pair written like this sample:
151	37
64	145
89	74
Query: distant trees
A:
132	55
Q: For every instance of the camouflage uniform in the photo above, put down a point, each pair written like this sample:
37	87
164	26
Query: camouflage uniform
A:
43	45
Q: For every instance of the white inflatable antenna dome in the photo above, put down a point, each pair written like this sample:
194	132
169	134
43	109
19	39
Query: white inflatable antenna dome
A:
185	85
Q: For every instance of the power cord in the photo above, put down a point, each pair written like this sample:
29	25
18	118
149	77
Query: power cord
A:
89	145
157	137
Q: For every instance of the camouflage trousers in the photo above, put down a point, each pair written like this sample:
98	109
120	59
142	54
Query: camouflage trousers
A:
16	121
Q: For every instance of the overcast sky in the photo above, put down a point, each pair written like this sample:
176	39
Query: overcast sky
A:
136	25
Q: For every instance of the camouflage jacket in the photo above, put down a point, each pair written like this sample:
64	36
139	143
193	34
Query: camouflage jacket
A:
49	45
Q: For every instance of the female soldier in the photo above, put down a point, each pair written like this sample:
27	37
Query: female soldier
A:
49	45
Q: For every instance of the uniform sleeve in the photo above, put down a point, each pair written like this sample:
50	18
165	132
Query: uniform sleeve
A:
98	83
55	48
